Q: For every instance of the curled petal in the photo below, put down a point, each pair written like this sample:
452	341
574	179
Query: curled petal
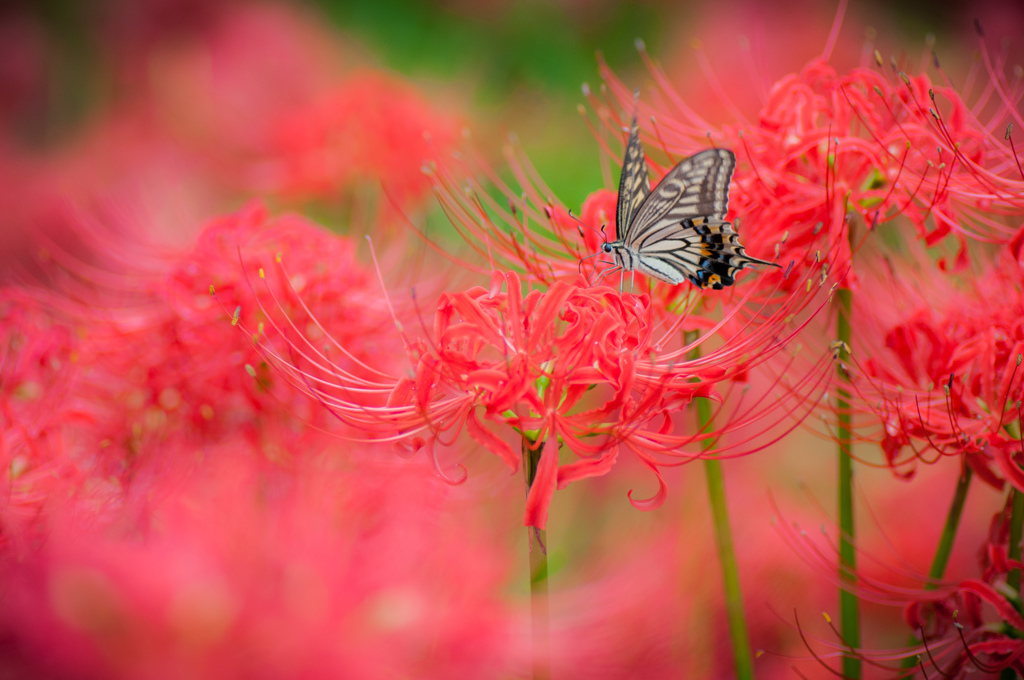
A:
1013	647
491	442
432	454
402	393
551	304
1010	469
989	595
444	315
408	448
472	312
426	377
588	467
497	280
543	487
655	501
514	300
626	376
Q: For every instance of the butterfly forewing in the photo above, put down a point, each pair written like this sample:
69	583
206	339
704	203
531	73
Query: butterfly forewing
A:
634	184
698	186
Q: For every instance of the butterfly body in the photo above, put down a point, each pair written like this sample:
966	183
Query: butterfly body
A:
677	231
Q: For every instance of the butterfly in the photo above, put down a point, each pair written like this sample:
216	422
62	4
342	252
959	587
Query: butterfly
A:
677	231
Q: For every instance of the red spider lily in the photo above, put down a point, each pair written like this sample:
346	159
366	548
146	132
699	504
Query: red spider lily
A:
530	361
940	369
154	360
532	232
535	233
245	567
255	101
538	236
279	118
869	141
38	357
968	625
372	128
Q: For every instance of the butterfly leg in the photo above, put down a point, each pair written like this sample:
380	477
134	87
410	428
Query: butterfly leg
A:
632	280
600	275
605	273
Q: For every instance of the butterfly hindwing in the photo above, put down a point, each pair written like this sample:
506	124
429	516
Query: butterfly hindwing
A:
704	250
634	184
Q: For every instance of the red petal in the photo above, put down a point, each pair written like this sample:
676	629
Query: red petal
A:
589	467
491	441
543	488
1016	242
1010	469
989	594
552	303
497	279
432	455
655	501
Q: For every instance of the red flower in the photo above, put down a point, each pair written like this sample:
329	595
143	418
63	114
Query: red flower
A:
154	360
372	129
574	365
966	625
875	142
247	567
939	368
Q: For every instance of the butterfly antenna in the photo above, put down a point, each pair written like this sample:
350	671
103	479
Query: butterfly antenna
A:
581	222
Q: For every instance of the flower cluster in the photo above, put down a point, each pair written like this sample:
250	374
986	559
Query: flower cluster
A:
961	625
233	440
573	365
940	371
874	142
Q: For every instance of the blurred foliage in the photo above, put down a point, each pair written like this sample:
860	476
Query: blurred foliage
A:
537	44
527	61
518	64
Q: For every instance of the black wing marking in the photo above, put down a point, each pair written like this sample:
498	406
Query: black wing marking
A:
706	251
696	187
634	184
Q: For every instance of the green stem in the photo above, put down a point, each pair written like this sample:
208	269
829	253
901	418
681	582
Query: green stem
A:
1013	578
727	556
1016	525
849	606
538	547
945	548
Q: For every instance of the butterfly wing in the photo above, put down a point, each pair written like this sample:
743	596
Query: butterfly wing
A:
697	186
704	250
679	232
634	184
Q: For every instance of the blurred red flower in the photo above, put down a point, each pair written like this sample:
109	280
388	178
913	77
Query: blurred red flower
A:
939	369
372	129
245	568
